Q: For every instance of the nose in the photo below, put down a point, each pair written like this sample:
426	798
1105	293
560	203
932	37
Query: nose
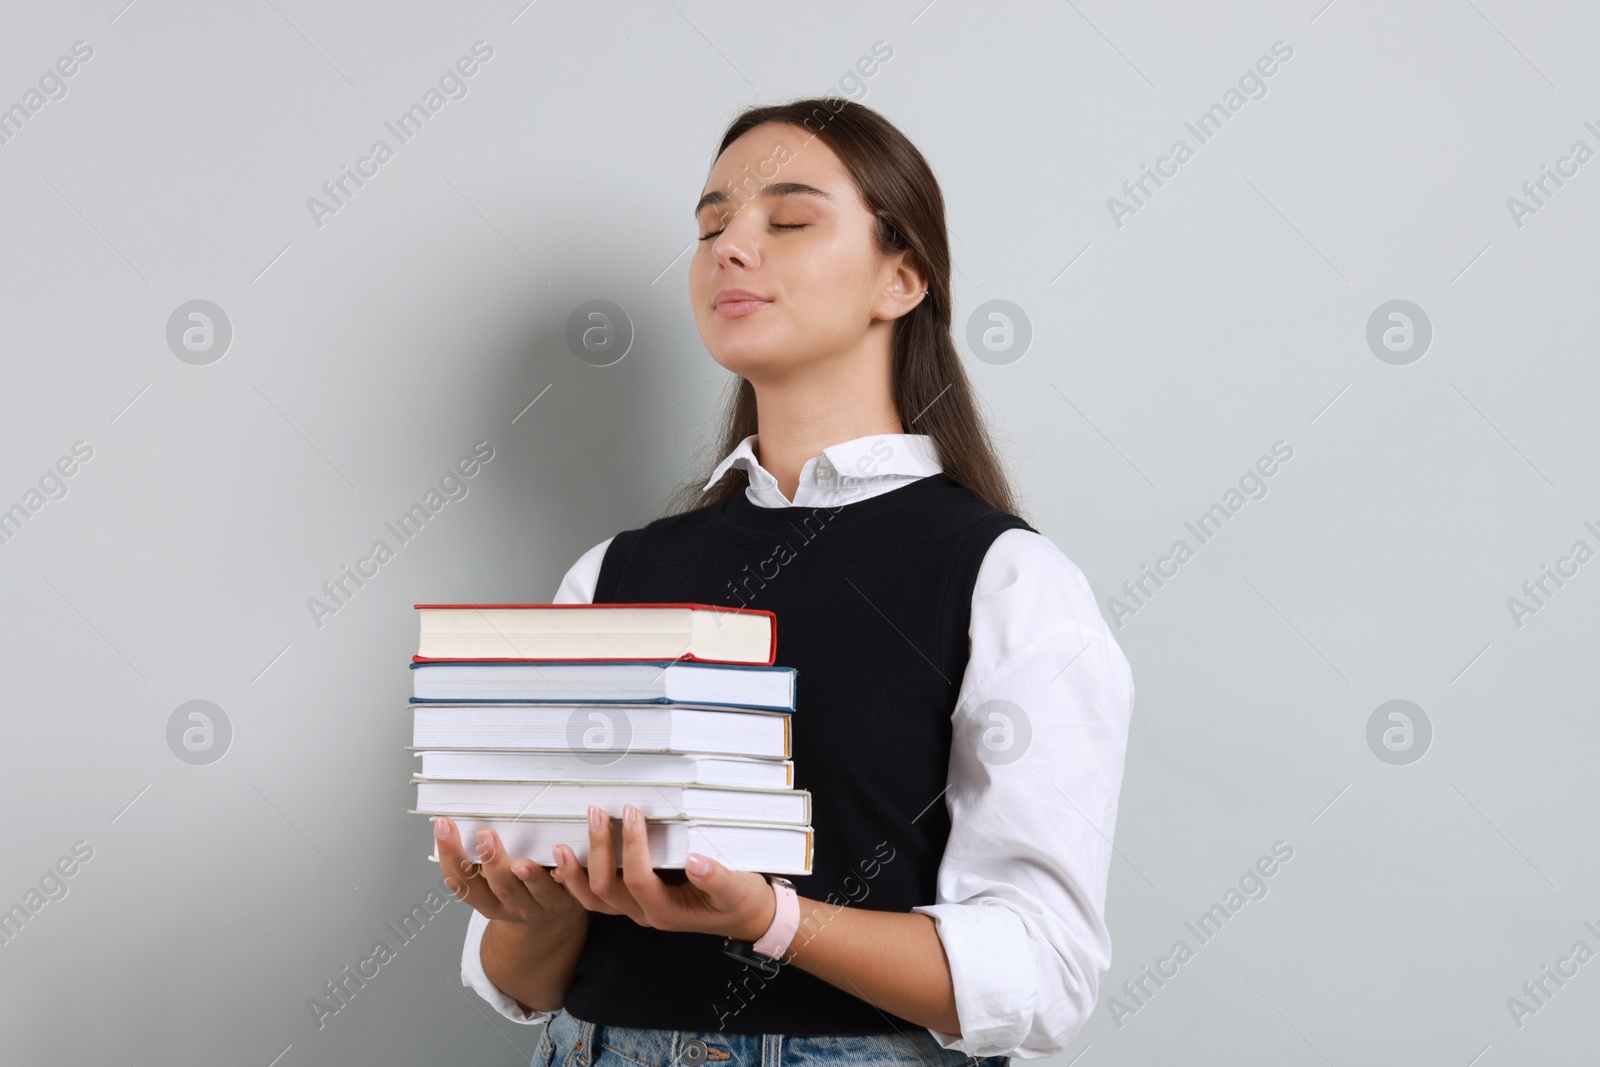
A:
736	245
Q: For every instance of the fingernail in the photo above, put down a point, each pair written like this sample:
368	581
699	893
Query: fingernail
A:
630	814
595	817
698	864
441	828
485	844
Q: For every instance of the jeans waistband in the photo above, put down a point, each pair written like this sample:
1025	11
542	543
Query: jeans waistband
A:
572	1042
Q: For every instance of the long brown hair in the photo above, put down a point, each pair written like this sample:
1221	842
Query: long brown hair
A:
931	391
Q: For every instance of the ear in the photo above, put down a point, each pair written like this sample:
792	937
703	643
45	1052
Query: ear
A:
903	288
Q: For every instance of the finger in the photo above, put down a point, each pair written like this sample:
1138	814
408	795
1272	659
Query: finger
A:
497	871
576	881
603	880
460	874
602	862
641	880
540	885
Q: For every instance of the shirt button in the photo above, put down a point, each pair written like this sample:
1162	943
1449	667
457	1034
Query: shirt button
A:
824	471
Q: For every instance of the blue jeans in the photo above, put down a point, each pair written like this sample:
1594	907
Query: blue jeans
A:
570	1042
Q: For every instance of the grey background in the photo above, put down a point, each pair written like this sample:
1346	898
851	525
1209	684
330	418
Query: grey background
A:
1167	354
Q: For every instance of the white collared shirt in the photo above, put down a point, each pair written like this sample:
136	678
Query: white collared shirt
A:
1020	898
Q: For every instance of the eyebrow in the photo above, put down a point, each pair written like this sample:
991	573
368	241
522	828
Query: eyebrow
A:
717	196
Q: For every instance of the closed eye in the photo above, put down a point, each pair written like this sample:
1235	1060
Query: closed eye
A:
775	226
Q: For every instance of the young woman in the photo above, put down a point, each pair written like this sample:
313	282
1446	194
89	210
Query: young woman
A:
963	709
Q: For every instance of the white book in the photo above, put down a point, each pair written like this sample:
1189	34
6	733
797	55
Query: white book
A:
768	848
630	766
602	730
650	681
655	800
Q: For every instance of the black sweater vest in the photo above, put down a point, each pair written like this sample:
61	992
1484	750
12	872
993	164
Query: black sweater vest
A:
873	600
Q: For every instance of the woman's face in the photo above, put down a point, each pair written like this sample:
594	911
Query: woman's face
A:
782	220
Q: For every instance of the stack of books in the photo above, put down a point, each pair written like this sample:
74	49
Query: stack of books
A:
526	714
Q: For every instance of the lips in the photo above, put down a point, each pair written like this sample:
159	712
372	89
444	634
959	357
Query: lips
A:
732	303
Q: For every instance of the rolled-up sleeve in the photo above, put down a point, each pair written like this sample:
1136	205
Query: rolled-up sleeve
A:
473	976
577	587
1040	733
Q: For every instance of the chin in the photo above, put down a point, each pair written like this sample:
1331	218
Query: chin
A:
747	361
744	355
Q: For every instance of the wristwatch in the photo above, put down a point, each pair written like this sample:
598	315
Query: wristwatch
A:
766	952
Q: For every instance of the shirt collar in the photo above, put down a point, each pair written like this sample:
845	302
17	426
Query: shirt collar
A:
907	454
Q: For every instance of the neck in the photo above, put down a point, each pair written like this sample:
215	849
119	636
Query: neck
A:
824	404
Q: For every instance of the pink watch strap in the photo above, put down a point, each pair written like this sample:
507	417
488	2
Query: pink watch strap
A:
785	922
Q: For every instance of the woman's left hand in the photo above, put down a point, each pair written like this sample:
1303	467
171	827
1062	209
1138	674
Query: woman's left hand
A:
715	900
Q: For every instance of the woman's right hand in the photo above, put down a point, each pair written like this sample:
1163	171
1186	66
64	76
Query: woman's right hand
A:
509	890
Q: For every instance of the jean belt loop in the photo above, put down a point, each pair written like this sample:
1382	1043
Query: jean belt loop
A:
586	1044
